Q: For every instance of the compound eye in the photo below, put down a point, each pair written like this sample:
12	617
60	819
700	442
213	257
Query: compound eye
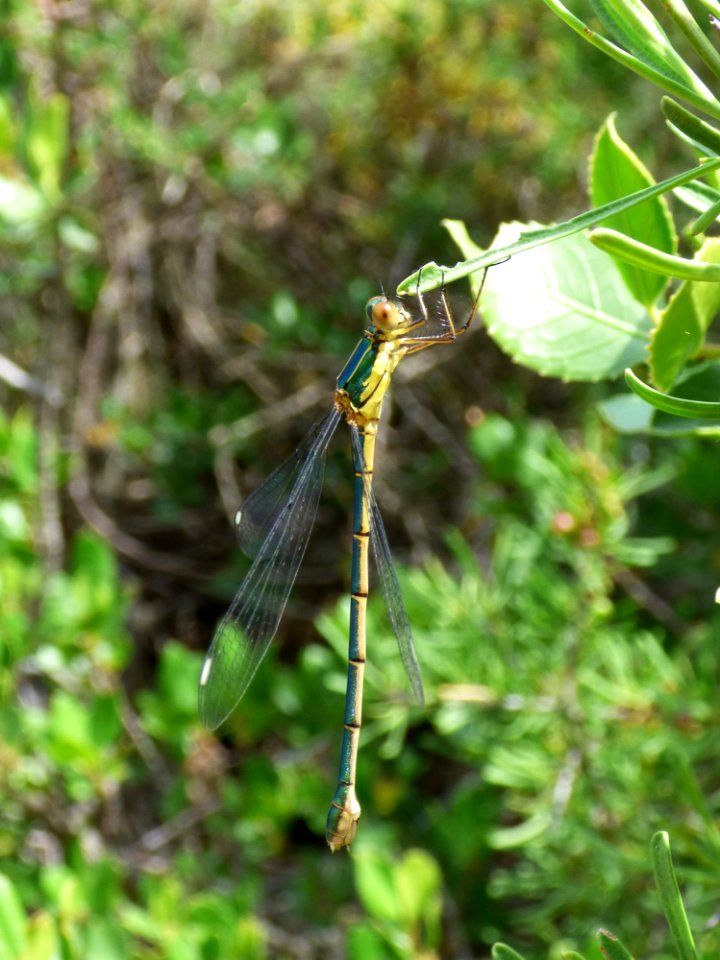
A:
385	315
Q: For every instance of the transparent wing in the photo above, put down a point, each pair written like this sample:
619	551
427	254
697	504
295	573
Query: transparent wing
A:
260	510
391	587
244	634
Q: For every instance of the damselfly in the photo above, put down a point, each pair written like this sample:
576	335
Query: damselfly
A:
275	523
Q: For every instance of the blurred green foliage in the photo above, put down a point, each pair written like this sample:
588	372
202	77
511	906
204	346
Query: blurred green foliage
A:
190	198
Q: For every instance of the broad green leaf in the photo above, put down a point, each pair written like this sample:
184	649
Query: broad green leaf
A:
641	34
616	171
375	882
643	256
678	406
683	324
612	948
670	898
431	276
12	921
564	311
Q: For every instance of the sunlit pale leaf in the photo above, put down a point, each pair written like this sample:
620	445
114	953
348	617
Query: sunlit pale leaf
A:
564	311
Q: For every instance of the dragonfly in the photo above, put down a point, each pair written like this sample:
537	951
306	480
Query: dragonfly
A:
274	527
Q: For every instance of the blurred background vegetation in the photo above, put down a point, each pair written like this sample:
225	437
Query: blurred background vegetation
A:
195	201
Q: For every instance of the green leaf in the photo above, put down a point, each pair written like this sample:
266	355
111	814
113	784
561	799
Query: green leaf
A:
375	882
694	91
365	943
616	171
670	898
699	133
507	838
683	324
105	938
12	921
641	34
697	196
686	22
705	220
418	881
42	938
678	406
431	276
564	311
611	947
626	413
21	204
7	127
46	140
501	951
648	258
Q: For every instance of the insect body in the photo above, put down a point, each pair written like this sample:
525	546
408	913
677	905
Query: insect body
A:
275	524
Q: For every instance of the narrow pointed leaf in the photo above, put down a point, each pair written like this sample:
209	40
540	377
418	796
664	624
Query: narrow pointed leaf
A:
12	920
686	22
431	276
690	92
695	129
612	948
678	406
712	5
46	141
641	255
637	29
670	898
501	951
705	219
697	196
